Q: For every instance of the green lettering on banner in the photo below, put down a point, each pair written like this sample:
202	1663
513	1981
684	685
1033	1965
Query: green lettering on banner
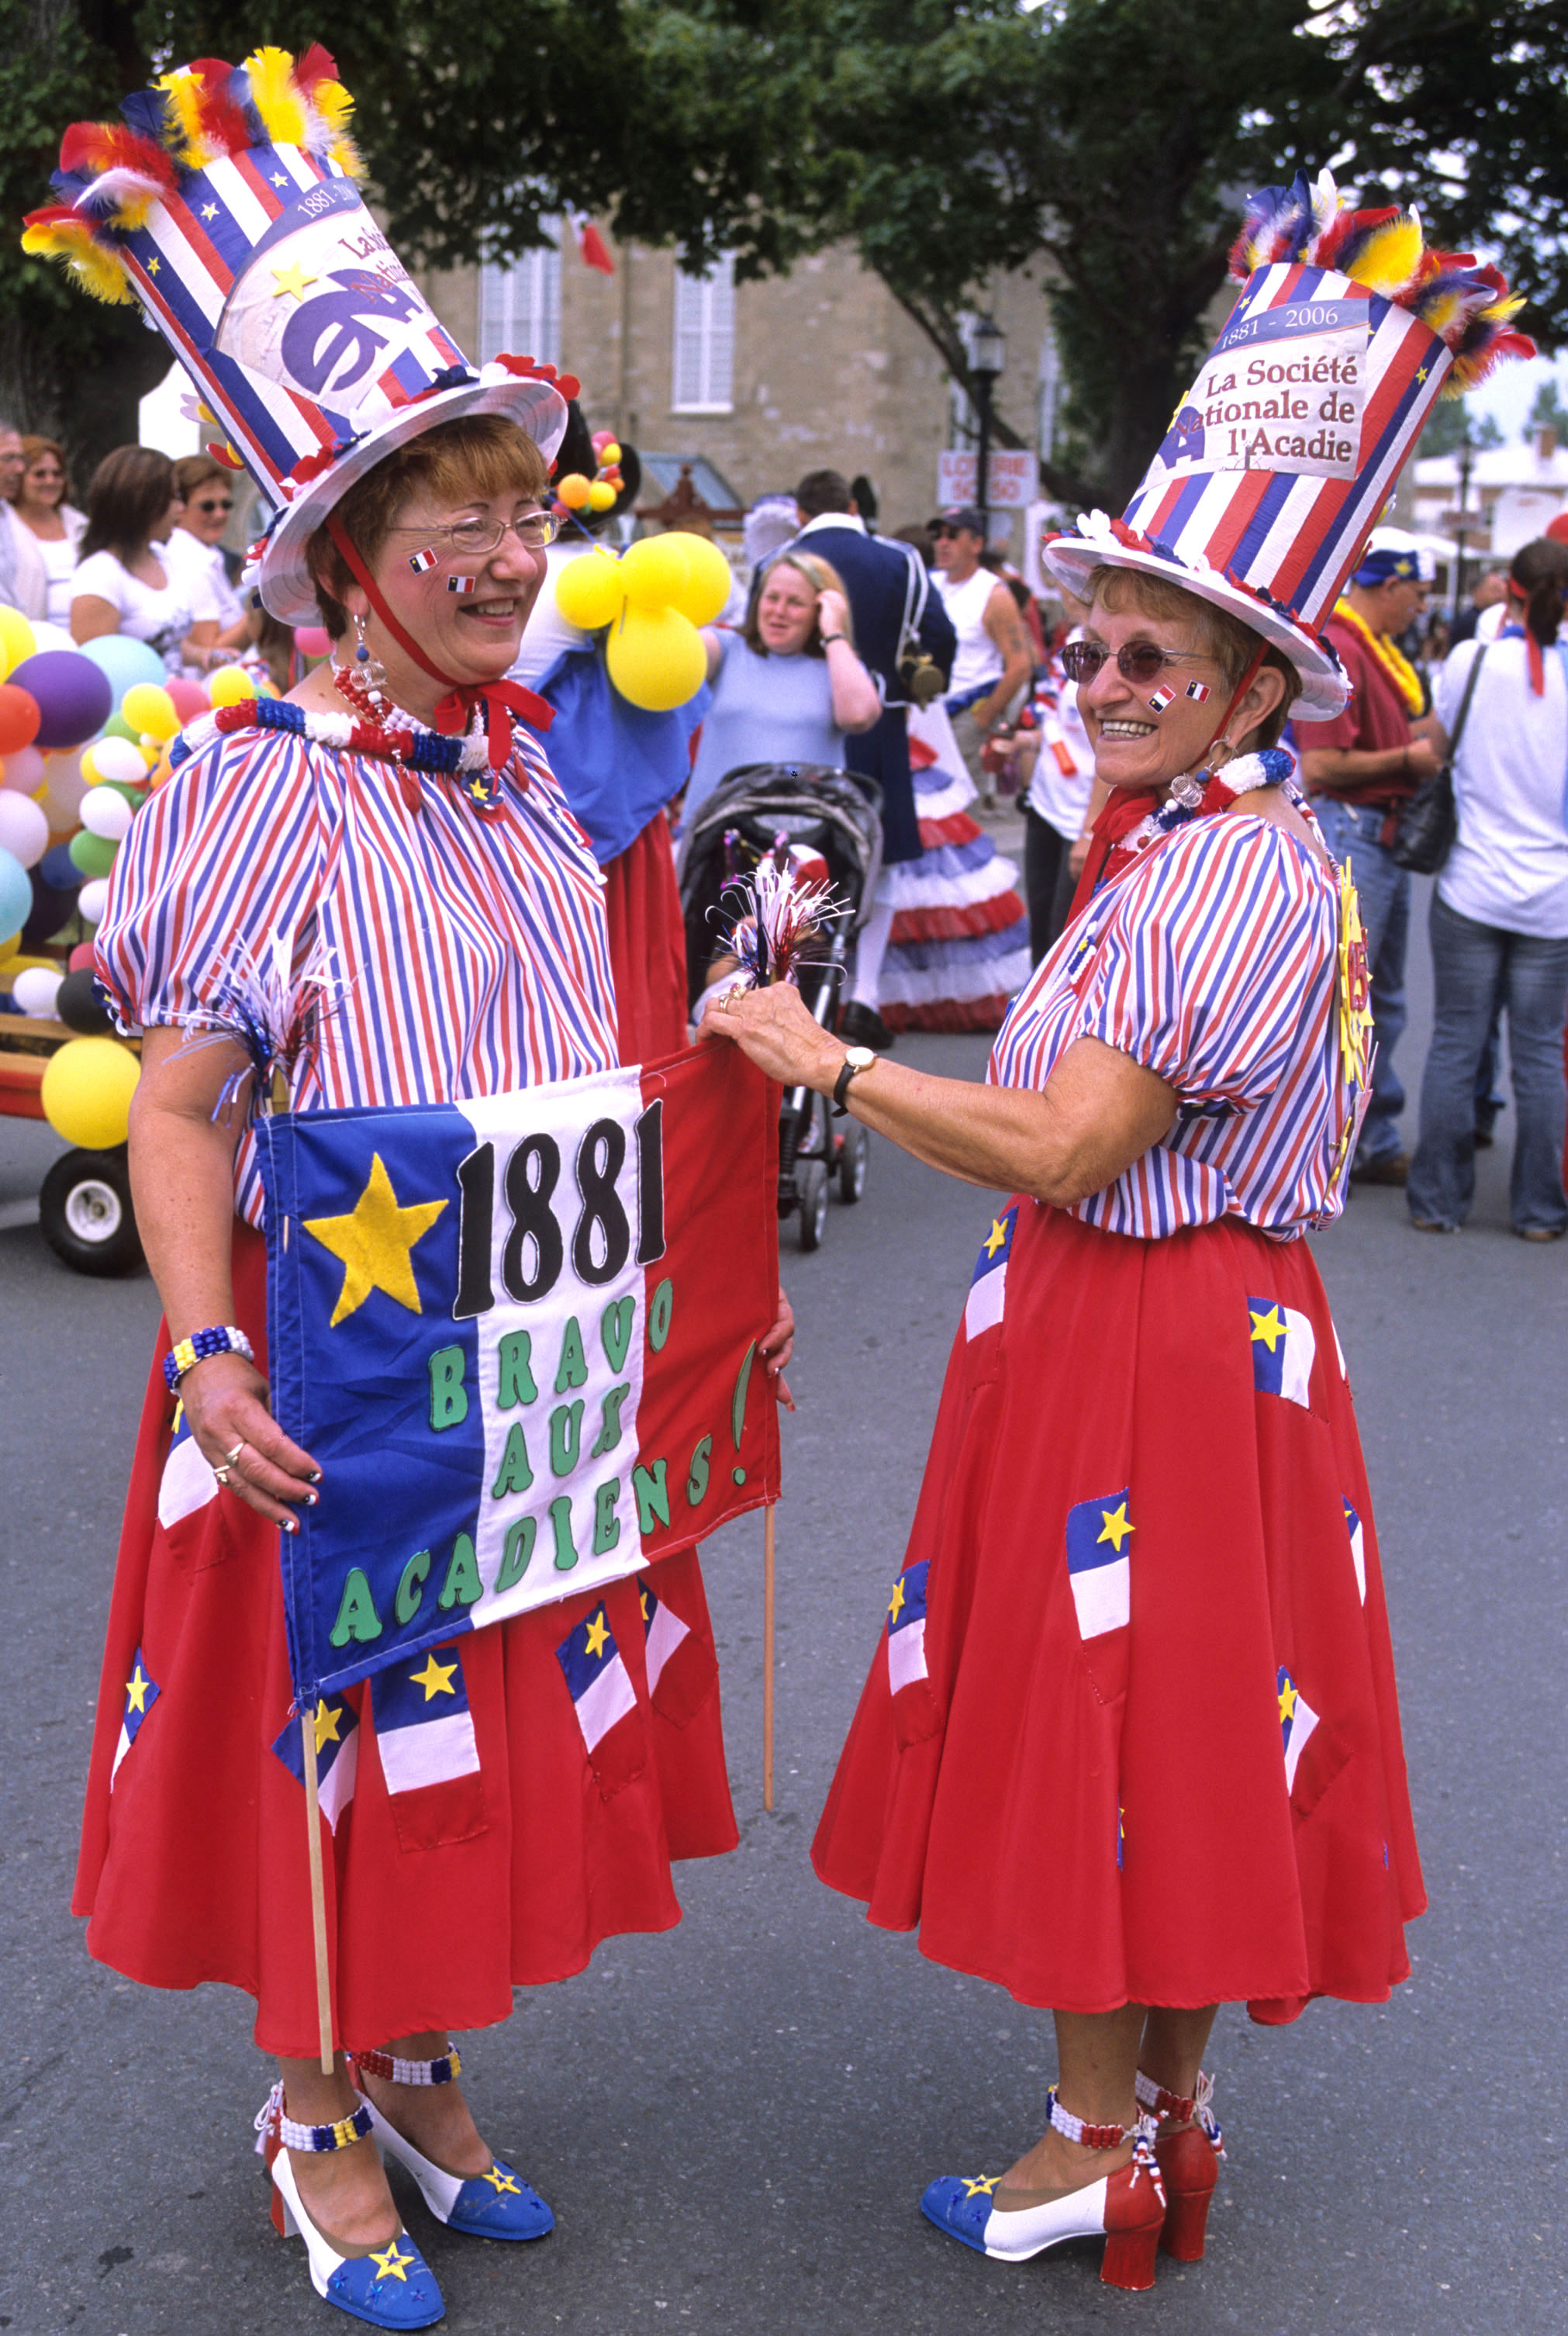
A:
410	1596
561	1519
573	1371
606	1523
514	1371
659	1314
462	1584
652	1496
615	1330
565	1437
448	1396
515	1553
696	1478
609	1434
356	1616
514	1474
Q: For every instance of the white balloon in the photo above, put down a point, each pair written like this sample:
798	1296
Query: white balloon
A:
36	990
23	770
24	827
118	759
93	900
106	812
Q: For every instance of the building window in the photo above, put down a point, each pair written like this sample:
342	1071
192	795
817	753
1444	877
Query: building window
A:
520	304
703	369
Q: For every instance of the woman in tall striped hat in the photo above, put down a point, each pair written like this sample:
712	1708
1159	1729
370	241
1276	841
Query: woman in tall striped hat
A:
1130	1744
393	828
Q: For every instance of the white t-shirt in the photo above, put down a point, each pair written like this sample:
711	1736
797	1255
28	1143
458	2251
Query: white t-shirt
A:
58	554
197	570
979	660
1063	775
161	620
1509	866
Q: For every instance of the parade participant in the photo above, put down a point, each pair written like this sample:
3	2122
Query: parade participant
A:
44	507
1361	769
392	821
1055	766
993	661
1130	1746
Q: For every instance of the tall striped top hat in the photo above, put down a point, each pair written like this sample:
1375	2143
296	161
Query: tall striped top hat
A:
226	203
1280	457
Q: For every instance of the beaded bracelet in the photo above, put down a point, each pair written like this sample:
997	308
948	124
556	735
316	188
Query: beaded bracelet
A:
186	1353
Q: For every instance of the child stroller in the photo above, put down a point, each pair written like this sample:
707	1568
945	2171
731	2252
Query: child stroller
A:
832	815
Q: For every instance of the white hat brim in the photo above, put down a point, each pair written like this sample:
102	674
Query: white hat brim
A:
282	576
1072	560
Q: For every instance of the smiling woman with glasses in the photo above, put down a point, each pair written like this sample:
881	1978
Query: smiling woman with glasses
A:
42	506
194	553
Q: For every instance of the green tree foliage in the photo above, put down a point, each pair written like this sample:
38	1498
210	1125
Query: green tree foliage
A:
1548	412
1451	420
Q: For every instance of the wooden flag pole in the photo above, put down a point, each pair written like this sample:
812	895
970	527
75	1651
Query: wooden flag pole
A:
767	1615
317	1891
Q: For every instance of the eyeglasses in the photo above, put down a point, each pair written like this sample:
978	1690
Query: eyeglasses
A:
210	508
475	538
1139	661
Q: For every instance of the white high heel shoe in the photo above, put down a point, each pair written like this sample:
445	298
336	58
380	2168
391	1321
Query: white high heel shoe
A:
495	2204
393	2286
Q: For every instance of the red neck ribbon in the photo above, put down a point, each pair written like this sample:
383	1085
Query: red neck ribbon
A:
1126	808
501	700
1532	646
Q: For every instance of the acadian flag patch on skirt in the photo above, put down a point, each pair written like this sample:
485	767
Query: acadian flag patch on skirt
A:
1284	1346
337	1755
141	1695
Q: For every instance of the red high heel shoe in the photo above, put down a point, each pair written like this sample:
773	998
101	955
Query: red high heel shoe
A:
1128	2206
1188	2157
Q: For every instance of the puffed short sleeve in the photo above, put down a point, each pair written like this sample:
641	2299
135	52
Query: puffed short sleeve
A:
1202	974
226	854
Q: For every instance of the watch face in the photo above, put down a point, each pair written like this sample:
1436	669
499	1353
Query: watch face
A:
861	1057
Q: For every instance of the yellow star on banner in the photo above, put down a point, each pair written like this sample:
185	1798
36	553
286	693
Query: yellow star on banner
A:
896	1602
279	179
1114	1527
499	2180
1289	1696
292	278
598	1632
390	2264
981	2189
153	266
209	211
1267	1328
435	1679
996	1238
373	1243
136	1688
327	1716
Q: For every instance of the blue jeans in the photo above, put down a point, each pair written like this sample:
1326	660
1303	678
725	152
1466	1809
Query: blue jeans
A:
1350	832
1475	969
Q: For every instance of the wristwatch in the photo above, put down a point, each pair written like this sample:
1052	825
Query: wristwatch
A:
858	1059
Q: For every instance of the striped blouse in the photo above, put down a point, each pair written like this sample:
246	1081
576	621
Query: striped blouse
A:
467	952
1214	962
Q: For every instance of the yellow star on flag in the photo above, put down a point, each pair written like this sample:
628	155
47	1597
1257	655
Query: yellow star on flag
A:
598	1632
981	2189
292	278
1267	1328
373	1243
153	266
136	1688
435	1679
390	2264
1115	1526
996	1238
327	1716
499	2180
896	1602
209	211
1288	1699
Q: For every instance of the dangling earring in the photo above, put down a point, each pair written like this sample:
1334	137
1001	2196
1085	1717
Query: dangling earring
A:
370	669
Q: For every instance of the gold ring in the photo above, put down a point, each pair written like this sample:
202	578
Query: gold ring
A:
222	1473
231	1459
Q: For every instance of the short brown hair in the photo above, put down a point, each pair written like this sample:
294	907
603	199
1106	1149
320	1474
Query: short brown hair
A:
1231	644
481	454
129	493
821	576
193	471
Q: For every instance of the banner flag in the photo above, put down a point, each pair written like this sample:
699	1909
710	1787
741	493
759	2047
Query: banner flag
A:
518	1335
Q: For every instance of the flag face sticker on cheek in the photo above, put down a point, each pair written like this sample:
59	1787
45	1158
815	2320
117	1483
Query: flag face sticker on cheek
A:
518	1335
1284	1346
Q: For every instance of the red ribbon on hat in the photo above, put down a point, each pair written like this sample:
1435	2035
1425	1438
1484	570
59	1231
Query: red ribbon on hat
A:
502	701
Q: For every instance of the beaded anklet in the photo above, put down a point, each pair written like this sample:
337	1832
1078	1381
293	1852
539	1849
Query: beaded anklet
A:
1181	2108
393	2071
1087	2137
273	2122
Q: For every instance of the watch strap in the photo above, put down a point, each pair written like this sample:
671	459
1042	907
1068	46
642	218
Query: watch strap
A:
841	1084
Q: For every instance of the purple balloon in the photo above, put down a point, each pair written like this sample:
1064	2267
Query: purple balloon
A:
73	695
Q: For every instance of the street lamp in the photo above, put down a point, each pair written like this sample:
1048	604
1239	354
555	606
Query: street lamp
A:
987	362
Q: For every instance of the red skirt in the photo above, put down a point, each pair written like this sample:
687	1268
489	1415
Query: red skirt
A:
647	945
1149	1750
440	1901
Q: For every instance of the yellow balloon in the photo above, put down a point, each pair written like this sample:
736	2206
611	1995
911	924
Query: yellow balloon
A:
88	768
230	686
657	571
708	586
147	708
87	1090
600	495
657	659
590	590
17	639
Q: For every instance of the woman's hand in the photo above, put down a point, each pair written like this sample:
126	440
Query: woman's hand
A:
777	1348
773	1029
833	611
225	1402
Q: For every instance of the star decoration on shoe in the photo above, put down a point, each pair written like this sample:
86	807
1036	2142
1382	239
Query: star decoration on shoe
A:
982	2188
390	2264
499	2180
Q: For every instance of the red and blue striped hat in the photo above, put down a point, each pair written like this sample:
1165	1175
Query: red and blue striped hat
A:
225	201
1280	458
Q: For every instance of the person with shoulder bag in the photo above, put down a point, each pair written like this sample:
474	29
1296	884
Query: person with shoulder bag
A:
1499	915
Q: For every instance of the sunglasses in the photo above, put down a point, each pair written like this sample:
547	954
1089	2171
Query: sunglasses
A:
210	508
1139	661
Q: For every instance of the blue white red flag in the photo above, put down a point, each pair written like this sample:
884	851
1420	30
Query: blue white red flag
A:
1284	1346
141	1693
988	1295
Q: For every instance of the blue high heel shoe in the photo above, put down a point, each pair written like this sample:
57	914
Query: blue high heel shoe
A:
391	2286
495	2204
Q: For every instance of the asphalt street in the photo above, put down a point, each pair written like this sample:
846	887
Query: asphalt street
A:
734	2121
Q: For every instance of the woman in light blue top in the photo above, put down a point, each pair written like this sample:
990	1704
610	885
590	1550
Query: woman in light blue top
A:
788	686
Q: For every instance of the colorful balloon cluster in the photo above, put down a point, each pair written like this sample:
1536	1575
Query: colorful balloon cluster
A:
84	735
652	598
574	492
